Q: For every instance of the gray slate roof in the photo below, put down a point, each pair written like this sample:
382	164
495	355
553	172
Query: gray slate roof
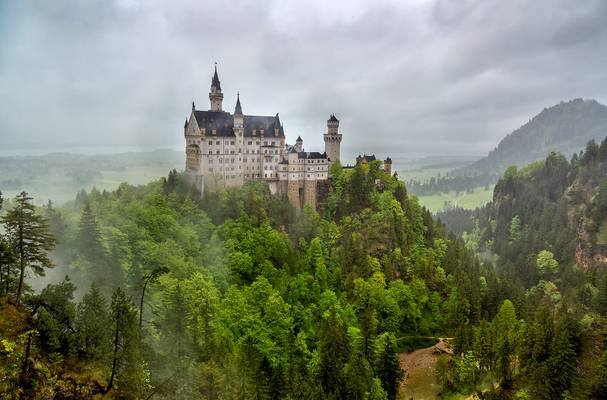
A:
223	123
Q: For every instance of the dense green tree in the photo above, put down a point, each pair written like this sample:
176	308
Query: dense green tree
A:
388	367
28	234
546	263
93	323
127	368
56	316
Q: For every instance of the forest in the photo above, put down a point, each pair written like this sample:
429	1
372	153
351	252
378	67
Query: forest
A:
237	295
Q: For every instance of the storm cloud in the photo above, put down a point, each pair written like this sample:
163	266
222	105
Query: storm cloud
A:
404	77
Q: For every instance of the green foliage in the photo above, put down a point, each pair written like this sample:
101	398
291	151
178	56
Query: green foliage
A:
254	300
93	324
546	263
28	234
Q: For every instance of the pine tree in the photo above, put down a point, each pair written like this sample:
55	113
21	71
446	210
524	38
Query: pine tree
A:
334	349
127	365
89	238
389	370
599	384
7	261
94	325
28	233
562	361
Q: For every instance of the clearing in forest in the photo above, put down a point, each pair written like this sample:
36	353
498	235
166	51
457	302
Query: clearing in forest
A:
419	382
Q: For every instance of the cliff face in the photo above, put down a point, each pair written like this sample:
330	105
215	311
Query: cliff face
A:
565	128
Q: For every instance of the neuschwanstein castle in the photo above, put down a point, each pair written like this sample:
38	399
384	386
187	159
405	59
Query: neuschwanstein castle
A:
227	150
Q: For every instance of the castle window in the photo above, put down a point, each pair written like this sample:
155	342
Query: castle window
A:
220	160
232	142
250	143
217	142
257	143
217	152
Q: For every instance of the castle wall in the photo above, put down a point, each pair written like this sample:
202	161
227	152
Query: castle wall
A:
295	193
309	188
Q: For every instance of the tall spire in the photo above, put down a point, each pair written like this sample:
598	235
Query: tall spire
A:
238	109
215	95
215	82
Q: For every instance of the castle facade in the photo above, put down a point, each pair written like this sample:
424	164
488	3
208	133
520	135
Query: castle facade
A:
227	150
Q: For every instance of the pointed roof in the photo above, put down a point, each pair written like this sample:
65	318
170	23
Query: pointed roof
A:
186	123
238	109
215	82
333	118
299	139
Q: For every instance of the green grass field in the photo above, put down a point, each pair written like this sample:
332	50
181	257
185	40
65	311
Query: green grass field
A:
437	202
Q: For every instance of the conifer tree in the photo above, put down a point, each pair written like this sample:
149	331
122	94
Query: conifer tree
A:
7	261
127	366
89	238
28	233
94	325
389	370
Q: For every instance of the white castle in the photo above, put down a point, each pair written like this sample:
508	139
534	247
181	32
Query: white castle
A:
227	150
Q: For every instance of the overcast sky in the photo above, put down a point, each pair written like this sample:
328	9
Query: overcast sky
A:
404	77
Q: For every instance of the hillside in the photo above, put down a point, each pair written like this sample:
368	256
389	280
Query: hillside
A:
546	232
236	295
564	128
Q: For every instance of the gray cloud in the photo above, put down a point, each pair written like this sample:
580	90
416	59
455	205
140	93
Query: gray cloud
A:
413	78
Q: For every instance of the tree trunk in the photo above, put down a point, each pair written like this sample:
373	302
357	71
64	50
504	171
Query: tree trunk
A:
25	365
115	361
145	284
21	264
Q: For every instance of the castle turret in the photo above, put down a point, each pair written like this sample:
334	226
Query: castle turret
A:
299	144
238	115
332	139
388	166
215	95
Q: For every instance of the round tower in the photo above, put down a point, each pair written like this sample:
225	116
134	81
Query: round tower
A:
215	95
332	139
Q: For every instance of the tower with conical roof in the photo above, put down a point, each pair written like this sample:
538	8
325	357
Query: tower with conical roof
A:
299	144
215	95
238	115
332	139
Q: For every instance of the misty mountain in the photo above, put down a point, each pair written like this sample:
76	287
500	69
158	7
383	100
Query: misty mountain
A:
565	128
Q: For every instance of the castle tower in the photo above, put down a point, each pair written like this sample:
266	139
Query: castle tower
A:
215	95
388	166
299	144
238	115
332	139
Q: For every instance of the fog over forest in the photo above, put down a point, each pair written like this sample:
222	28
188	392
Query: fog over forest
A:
284	200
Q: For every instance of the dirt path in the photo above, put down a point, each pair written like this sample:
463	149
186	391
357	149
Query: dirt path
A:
419	382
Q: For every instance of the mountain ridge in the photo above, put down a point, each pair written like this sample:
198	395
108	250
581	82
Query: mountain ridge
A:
565	127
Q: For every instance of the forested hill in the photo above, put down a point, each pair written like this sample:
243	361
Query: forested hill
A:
564	128
235	296
546	231
554	205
